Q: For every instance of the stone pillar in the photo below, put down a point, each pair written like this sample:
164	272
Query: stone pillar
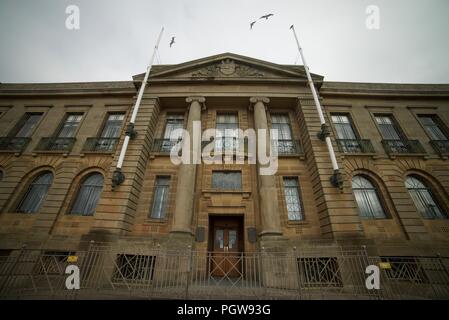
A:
186	175
269	209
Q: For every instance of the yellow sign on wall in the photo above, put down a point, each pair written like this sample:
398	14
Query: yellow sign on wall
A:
72	259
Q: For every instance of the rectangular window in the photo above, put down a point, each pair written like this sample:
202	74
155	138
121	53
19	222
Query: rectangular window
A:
27	125
160	198
433	126
227	180
226	134
113	125
343	126
388	128
281	122
392	134
348	138
173	122
70	125
285	143
292	199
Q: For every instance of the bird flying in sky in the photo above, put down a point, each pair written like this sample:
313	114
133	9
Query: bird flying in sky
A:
266	16
251	25
172	41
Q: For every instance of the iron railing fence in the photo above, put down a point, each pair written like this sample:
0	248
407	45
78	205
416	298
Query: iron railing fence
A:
355	146
56	144
143	273
403	147
16	144
440	146
99	144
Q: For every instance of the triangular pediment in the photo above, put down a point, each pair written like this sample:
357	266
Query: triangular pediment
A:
228	66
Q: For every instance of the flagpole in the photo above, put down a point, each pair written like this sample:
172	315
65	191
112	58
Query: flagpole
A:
324	134
118	177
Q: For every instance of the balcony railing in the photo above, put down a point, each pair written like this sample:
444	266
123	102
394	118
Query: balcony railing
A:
56	144
100	144
232	145
355	146
402	147
288	147
163	145
440	146
13	144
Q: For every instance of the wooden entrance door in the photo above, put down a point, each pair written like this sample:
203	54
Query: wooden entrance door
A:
226	247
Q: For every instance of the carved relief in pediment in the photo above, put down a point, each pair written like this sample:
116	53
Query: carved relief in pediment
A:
227	68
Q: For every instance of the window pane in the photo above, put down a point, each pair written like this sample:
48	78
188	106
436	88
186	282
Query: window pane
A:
70	125
232	239
226	132
88	195
423	199
36	193
160	198
113	126
343	127
367	198
432	127
281	122
387	128
227	180
219	238
173	122
292	199
31	120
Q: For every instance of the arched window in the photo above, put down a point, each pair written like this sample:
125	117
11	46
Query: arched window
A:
35	195
88	195
423	199
367	198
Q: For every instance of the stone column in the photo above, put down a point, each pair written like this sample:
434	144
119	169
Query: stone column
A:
187	175
269	209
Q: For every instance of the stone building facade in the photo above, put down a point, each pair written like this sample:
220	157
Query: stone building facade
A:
383	135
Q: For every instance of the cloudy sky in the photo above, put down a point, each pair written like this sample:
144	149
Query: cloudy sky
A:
115	38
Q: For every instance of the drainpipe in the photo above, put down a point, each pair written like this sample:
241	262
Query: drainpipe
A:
118	177
336	179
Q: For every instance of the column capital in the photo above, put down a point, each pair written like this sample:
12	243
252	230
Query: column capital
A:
196	98
259	99
201	100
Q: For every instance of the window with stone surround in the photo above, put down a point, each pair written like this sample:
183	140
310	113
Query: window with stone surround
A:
293	199
423	198
88	195
36	193
367	198
160	198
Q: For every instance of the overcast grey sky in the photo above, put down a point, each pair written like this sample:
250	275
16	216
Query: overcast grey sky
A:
116	37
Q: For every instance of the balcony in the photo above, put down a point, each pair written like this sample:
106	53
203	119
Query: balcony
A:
355	146
225	145
397	147
288	147
163	145
56	144
440	146
13	144
106	145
